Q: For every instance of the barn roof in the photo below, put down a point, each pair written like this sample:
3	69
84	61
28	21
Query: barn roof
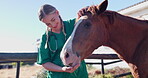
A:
135	8
133	5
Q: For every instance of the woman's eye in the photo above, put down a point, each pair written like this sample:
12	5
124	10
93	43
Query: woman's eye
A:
53	20
48	24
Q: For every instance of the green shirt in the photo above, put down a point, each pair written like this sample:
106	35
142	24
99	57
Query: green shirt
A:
46	55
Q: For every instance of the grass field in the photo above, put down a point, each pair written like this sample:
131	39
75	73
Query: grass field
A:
109	73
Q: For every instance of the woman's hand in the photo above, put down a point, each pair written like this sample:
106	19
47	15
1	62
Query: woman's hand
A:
70	69
53	67
82	11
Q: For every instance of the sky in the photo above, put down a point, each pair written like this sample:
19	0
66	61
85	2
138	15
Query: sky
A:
20	26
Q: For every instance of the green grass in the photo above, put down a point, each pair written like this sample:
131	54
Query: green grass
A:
102	76
109	73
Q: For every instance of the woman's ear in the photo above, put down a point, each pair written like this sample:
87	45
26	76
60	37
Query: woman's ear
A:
102	7
57	12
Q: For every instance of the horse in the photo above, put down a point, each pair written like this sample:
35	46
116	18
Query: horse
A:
126	35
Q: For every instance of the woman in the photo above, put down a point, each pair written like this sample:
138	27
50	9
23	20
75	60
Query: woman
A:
52	42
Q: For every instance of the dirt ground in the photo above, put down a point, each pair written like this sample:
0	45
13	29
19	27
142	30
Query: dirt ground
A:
25	72
32	71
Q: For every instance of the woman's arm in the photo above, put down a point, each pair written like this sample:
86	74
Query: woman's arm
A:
52	67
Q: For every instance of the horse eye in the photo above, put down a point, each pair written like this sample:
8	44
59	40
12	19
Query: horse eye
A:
67	55
87	25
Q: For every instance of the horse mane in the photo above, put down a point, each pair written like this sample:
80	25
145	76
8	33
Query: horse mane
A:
111	15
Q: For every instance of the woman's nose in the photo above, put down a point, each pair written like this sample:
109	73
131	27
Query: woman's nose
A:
53	24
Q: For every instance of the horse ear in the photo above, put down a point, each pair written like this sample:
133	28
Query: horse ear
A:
102	7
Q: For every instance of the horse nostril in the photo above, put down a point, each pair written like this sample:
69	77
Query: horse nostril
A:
66	65
67	55
70	64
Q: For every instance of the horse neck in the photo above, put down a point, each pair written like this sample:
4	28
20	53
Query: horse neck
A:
124	35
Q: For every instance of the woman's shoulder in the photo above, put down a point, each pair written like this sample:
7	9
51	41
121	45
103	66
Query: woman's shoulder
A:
43	37
70	20
45	33
69	25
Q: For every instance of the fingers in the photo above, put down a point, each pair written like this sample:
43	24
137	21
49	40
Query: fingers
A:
70	69
67	69
82	11
74	68
79	14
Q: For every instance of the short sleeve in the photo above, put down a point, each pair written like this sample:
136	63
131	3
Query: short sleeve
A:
69	26
43	52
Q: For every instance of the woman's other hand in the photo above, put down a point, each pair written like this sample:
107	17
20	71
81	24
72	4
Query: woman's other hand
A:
70	69
82	11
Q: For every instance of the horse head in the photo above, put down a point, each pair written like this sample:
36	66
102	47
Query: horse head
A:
83	40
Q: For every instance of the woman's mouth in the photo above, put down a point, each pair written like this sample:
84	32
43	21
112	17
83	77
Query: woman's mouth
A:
55	26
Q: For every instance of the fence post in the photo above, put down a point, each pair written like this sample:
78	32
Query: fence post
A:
18	69
102	66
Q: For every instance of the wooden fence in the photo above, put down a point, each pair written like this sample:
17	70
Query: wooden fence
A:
31	57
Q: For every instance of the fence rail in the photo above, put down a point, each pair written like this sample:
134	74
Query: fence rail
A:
31	57
18	56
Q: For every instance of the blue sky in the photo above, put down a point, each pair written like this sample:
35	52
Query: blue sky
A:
19	24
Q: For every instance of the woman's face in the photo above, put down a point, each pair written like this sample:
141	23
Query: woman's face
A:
53	21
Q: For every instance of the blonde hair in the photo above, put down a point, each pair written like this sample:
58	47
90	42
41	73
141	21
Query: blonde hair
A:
45	10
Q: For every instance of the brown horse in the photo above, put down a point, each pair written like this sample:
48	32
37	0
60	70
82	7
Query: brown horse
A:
126	35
